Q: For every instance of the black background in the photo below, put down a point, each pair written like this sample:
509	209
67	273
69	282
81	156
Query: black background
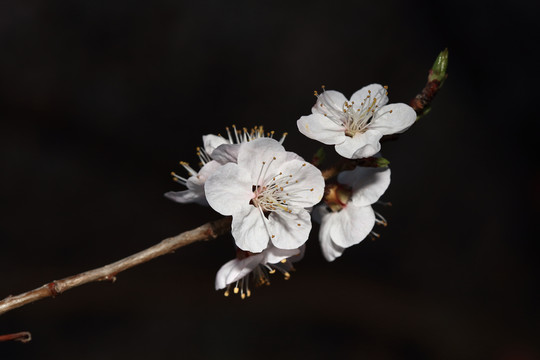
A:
99	100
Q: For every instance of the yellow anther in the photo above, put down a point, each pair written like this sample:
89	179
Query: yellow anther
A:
236	289
287	276
272	271
226	293
243	296
283	261
248	293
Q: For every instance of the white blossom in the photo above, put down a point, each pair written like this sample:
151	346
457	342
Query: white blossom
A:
267	192
355	126
249	267
216	151
348	218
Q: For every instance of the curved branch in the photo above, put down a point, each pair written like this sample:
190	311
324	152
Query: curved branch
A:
210	230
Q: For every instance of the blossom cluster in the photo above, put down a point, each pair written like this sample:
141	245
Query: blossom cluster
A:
273	194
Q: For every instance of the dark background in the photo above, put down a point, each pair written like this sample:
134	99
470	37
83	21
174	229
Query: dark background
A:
99	100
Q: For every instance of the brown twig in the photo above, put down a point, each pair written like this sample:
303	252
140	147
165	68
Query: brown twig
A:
23	336
208	231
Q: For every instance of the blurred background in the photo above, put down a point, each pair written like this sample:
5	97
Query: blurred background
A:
100	100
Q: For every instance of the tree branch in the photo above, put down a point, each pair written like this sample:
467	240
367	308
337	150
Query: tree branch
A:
210	230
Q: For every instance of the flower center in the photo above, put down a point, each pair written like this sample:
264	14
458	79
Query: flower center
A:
358	117
274	192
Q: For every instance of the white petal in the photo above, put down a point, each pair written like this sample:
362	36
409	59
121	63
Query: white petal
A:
243	267
321	128
273	255
331	103
300	255
294	156
221	276
352	225
253	154
288	230
249	230
208	169
235	269
226	153
305	187
187	196
395	122
211	142
368	184
330	250
228	189
377	92
361	145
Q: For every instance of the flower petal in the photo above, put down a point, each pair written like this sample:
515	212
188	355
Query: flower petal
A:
226	153
352	225
208	169
330	102
187	196
361	145
211	142
377	92
236	269
258	155
368	184
321	128
249	230
330	250
289	230
228	189
273	255
393	119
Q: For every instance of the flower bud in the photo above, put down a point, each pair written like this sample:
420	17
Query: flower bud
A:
438	70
